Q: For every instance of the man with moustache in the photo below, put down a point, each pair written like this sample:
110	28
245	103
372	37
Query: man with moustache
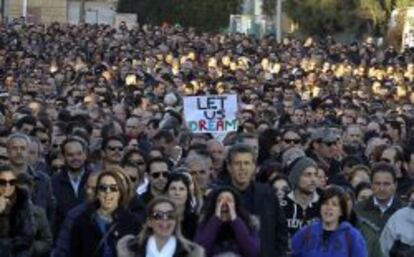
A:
69	184
301	205
112	151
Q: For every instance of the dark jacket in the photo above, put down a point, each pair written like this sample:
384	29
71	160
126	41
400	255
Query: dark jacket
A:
296	216
63	240
371	221
43	239
189	225
346	241
17	227
273	230
66	198
42	194
85	238
235	237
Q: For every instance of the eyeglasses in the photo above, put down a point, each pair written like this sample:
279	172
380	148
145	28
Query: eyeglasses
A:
108	188
157	174
115	148
291	141
15	103
5	182
160	215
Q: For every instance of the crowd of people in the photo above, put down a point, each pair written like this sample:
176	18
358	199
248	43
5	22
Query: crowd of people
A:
96	158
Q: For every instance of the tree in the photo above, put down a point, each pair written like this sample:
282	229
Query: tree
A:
378	12
320	17
206	15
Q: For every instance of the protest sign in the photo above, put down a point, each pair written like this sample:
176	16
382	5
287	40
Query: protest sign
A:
211	114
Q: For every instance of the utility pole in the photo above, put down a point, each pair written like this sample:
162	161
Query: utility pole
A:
82	12
279	20
24	9
3	8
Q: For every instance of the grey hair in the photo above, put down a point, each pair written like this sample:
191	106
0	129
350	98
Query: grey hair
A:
18	136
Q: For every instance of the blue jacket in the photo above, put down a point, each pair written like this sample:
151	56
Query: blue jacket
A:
346	241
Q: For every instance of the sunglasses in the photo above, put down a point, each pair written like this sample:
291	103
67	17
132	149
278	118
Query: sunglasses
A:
330	143
115	148
57	168
160	215
291	141
108	188
5	182
156	175
386	160
44	141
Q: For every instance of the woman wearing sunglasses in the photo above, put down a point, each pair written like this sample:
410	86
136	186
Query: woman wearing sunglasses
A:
332	235
17	230
96	231
161	235
178	190
226	228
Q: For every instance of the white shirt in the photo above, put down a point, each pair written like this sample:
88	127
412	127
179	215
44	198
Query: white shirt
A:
75	181
383	208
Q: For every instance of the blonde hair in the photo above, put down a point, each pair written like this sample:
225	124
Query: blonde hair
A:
146	231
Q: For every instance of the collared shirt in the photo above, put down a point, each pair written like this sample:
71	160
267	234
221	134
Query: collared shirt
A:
75	181
143	187
383	208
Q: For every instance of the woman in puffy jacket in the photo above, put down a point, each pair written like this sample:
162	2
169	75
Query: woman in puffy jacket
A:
332	235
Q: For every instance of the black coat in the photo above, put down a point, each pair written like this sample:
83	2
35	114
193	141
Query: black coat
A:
66	199
17	234
273	229
86	237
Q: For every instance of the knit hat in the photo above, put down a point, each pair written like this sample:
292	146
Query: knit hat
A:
298	166
291	155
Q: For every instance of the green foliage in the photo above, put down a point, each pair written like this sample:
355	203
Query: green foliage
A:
403	3
206	15
322	17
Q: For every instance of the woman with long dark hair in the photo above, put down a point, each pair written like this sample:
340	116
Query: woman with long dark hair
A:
178	191
332	235
226	227
96	231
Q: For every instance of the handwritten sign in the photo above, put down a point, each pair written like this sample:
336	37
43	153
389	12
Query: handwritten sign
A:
211	114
